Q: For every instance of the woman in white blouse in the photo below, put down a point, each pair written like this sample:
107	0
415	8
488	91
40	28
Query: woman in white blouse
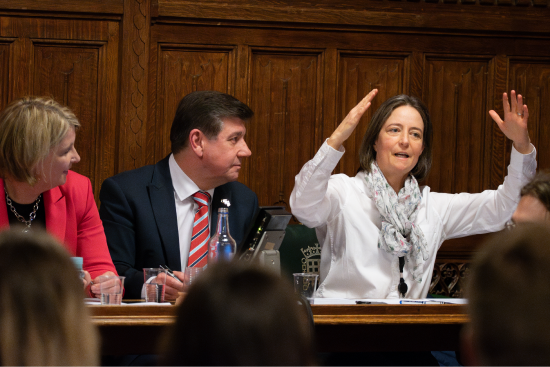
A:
380	231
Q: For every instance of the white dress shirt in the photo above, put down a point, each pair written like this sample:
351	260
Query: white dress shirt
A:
348	224
184	188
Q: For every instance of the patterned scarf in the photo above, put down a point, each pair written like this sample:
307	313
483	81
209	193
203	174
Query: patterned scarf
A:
399	235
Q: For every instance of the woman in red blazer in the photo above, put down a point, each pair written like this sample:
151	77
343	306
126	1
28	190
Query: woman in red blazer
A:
36	152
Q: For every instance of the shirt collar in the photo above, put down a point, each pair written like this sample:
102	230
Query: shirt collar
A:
184	187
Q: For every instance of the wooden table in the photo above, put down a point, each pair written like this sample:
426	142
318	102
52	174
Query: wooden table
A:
342	328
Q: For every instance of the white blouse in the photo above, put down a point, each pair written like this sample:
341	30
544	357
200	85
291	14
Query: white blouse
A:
347	224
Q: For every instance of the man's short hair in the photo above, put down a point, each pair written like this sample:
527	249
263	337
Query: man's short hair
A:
539	188
204	110
29	128
509	296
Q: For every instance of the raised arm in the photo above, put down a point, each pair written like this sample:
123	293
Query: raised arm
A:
514	125
348	125
312	201
466	214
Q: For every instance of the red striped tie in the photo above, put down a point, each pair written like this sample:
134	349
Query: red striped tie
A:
201	232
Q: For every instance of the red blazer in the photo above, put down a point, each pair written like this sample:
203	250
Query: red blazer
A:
72	218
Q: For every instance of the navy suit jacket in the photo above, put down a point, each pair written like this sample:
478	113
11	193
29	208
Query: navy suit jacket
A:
138	211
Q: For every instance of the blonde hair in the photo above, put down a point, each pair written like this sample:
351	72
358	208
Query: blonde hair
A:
29	128
43	319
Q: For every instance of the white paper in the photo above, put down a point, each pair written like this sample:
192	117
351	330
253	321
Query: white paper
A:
389	301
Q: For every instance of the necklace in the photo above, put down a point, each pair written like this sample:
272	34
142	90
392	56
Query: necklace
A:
19	216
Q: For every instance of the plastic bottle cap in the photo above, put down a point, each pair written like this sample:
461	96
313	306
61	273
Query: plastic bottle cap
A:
77	261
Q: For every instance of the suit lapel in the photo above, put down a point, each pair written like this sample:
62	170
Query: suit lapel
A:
161	195
56	212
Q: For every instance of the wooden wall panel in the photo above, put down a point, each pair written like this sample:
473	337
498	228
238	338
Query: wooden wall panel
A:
76	63
70	76
358	74
455	92
4	78
136	136
183	70
440	15
285	90
531	78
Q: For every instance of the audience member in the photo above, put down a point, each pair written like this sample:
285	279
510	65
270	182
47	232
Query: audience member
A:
37	150
238	314
508	296
43	320
534	205
149	213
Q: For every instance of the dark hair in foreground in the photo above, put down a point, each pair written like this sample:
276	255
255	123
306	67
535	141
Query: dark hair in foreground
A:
367	154
237	314
509	296
43	319
204	110
539	188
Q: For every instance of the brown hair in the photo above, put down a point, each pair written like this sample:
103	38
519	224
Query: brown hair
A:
367	154
204	110
237	314
29	128
539	188
43	319
509	295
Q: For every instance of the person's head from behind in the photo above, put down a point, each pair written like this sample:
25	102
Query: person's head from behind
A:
508	297
43	319
237	314
399	138
37	138
534	205
211	125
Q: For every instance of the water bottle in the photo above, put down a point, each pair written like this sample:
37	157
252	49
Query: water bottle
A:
77	261
222	246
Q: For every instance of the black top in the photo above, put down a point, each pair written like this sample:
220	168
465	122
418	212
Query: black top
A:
25	211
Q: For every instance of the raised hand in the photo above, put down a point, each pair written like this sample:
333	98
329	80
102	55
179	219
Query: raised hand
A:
514	125
346	127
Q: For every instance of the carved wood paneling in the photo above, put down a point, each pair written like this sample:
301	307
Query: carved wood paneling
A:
449	279
285	90
71	61
531	78
499	147
455	92
4	68
438	14
65	6
358	74
183	70
20	69
70	76
134	150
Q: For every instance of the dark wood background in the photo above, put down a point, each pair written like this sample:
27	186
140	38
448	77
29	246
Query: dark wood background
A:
123	65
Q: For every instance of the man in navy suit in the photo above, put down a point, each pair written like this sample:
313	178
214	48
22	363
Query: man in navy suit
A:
148	213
